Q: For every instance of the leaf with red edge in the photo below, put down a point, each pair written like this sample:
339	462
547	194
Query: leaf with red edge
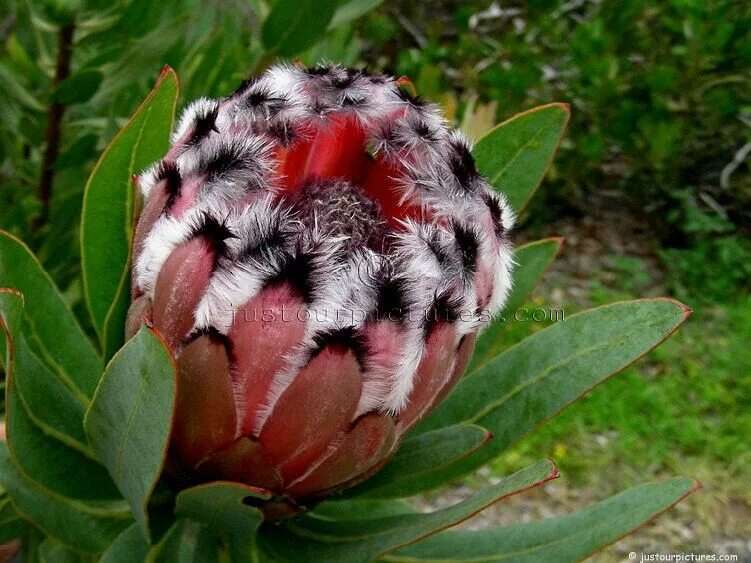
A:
108	209
37	433
223	506
515	155
88	527
536	378
420	458
571	537
53	325
130	418
311	538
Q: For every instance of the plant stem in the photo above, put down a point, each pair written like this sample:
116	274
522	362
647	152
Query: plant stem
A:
54	121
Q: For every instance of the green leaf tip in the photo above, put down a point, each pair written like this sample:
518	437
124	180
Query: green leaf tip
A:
516	154
312	539
130	418
52	323
570	537
538	377
108	212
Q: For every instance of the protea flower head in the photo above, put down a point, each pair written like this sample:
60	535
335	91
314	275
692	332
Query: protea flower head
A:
319	251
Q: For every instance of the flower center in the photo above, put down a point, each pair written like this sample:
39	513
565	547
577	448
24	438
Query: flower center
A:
339	208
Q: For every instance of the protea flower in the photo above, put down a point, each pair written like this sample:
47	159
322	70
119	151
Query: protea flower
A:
319	251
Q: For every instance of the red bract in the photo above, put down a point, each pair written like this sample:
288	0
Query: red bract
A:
319	251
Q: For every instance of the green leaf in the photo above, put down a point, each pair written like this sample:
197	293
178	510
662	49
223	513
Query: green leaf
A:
228	510
532	259
11	317
11	524
78	153
107	216
130	418
352	10
294	25
129	546
420	458
359	508
51	551
78	88
32	448
311	538
12	89
533	380
39	390
37	385
223	506
186	542
86	526
515	155
53	325
572	537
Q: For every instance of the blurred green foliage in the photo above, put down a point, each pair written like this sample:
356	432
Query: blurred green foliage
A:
661	108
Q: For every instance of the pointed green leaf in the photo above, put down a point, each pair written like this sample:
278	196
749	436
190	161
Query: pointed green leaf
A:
515	155
294	25
533	380
186	542
107	216
86	526
572	537
129	546
420	458
31	446
130	418
532	259
53	325
311	538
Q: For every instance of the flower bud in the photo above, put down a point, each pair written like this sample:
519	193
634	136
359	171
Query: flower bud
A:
319	251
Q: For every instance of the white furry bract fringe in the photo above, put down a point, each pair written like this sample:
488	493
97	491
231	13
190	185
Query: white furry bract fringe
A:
452	254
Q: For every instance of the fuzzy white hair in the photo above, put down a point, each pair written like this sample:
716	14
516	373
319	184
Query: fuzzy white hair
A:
197	109
149	178
251	156
236	281
336	288
167	234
